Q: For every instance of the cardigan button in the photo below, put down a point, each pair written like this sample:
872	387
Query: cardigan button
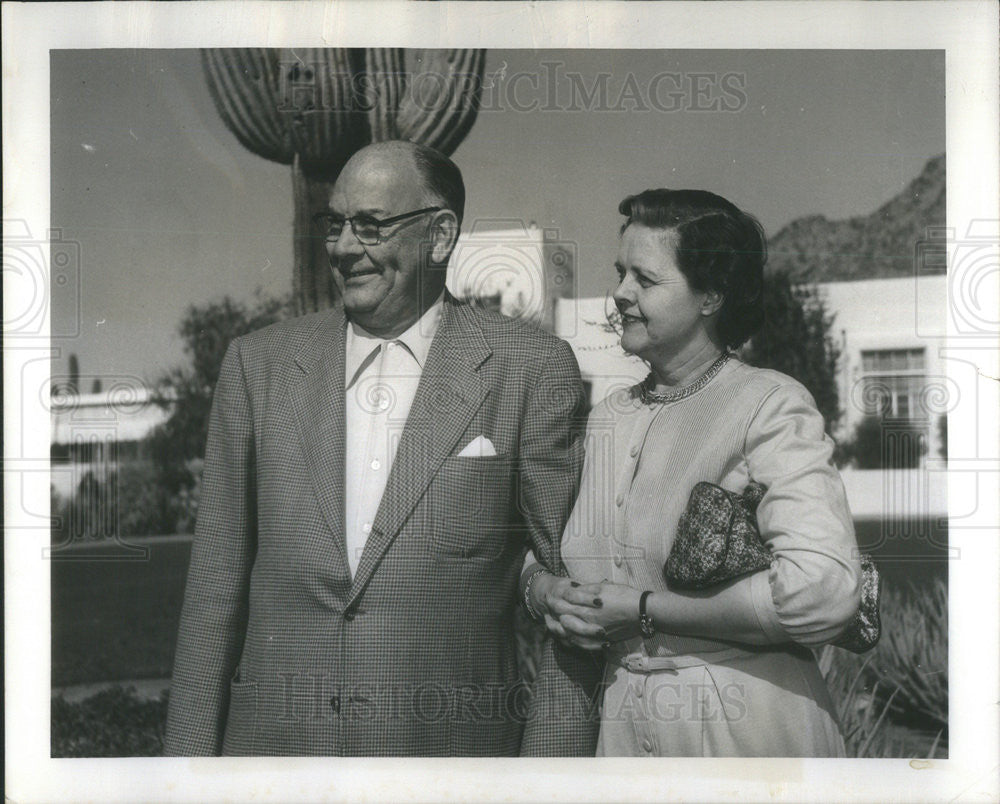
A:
618	560
620	500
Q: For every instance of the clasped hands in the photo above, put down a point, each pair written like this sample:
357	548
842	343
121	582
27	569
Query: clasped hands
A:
587	615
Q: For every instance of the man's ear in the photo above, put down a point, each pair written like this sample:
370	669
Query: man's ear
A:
444	235
712	302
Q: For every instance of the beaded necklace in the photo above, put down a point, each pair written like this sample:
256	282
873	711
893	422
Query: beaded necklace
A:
648	396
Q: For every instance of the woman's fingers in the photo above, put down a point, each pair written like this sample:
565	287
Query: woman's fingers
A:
583	596
581	628
555	627
588	644
558	608
569	638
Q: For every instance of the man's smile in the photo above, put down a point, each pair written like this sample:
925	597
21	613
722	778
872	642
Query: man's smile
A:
359	274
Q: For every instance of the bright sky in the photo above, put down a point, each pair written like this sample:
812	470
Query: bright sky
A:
169	209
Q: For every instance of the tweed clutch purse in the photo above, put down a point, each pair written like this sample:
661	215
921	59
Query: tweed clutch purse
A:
718	539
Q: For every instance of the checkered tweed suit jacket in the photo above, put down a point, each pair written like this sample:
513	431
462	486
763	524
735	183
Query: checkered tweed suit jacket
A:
281	652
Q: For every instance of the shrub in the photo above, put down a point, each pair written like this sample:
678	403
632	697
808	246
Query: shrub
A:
131	501
889	698
912	657
113	723
887	444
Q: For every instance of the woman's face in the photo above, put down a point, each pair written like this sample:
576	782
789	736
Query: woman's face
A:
661	314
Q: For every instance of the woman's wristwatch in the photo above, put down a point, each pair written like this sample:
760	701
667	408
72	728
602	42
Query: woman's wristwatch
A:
646	626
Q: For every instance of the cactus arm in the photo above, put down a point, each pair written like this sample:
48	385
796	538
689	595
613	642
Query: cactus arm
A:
439	111
243	85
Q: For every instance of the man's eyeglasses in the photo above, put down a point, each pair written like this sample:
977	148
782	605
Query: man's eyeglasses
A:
367	230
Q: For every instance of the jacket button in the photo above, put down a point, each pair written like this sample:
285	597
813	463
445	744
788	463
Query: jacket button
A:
335	703
349	615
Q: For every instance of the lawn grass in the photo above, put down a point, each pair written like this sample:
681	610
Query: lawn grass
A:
116	620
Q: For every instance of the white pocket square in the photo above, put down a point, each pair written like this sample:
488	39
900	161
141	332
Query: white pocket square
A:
479	447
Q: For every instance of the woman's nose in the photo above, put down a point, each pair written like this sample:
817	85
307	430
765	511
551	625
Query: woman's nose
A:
622	295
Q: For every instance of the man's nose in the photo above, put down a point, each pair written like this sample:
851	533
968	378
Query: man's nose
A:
346	244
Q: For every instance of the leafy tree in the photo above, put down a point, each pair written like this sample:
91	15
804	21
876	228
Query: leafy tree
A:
796	340
207	330
885	443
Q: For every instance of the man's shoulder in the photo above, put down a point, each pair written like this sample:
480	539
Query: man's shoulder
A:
289	335
503	333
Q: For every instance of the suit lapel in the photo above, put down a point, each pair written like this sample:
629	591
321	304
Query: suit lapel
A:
448	395
317	398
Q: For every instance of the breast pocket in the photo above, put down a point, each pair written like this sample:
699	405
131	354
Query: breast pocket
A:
471	509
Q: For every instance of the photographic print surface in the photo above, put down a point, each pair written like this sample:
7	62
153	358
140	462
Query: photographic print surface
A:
183	185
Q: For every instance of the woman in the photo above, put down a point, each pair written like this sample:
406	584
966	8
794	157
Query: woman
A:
726	671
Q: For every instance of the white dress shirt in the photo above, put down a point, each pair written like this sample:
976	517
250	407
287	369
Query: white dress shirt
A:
380	383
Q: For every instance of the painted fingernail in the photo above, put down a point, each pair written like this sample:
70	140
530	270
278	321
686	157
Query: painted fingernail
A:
598	602
574	584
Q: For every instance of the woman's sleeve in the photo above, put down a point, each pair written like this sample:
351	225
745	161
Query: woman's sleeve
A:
812	590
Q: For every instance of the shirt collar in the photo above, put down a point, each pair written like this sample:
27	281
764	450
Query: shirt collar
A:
361	345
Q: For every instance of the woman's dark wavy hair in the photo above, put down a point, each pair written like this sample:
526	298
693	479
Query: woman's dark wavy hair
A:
719	247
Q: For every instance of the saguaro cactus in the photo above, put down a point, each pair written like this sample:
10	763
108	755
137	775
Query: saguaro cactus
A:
313	108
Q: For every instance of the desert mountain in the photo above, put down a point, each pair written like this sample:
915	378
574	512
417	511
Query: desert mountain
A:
879	245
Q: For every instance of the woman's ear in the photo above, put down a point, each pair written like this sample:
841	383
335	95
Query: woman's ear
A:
444	234
712	302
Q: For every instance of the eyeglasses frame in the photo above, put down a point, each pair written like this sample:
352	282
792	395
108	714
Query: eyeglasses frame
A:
321	217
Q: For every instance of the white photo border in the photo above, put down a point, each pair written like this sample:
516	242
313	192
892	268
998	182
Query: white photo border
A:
966	31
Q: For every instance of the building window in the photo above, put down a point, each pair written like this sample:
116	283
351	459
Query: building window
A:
894	380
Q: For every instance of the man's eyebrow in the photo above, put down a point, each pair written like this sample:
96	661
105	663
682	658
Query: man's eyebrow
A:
375	212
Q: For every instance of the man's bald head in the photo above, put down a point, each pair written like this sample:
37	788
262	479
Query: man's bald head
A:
439	178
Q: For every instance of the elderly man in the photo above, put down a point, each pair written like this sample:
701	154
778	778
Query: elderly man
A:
374	475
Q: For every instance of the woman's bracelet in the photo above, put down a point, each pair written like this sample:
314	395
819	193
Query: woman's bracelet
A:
534	615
